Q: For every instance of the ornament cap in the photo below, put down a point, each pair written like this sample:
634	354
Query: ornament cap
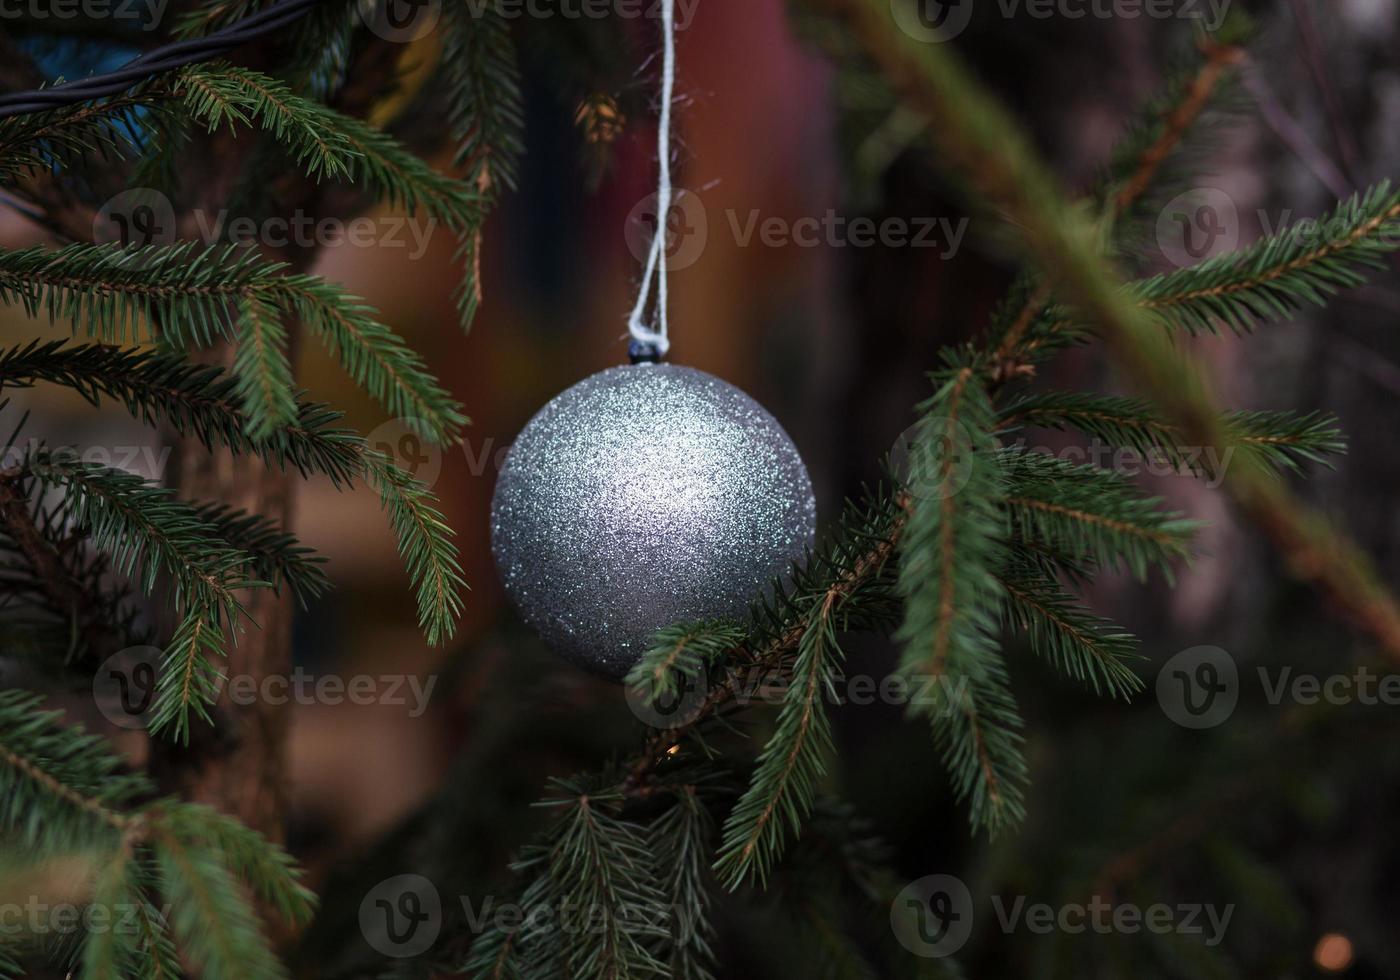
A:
644	352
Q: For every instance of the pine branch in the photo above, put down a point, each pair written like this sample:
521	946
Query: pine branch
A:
680	655
487	120
264	866
195	399
1300	266
980	141
954	542
51	571
792	762
1139	158
1069	637
44	141
1286	440
601	863
189	681
197	296
402	179
682	841
264	373
274	555
1282	439
110	952
425	543
1028	326
60	789
146	531
221	95
217	928
1091	512
374	356
202	400
486	113
848	574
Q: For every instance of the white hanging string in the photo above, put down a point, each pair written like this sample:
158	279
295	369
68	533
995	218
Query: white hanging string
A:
656	257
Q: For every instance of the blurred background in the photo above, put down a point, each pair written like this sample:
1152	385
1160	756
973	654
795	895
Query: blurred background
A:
1281	810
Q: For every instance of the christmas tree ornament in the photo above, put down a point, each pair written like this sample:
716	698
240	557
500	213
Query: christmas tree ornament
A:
645	495
649	494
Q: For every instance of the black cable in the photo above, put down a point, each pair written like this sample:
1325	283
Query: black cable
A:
166	58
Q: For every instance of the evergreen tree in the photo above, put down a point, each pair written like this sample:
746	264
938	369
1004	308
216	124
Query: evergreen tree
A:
973	540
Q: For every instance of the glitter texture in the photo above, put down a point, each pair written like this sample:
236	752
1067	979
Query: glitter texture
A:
644	496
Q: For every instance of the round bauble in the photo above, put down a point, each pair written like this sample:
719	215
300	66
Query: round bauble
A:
643	496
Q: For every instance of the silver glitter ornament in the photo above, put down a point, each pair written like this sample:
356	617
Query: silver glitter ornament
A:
644	496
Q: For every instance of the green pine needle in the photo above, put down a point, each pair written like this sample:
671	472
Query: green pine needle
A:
1303	265
953	544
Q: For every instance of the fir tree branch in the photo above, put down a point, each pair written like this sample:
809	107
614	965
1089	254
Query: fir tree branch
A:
953	543
1031	330
680	655
791	763
202	400
1069	637
43	141
1176	120
59	788
1299	266
425	543
1283	439
264	373
682	841
114	294
217	927
220	95
601	863
71	596
374	356
978	139
267	868
1091	512
851	564
274	555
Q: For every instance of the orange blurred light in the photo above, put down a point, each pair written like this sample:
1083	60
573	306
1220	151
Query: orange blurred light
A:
1333	952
